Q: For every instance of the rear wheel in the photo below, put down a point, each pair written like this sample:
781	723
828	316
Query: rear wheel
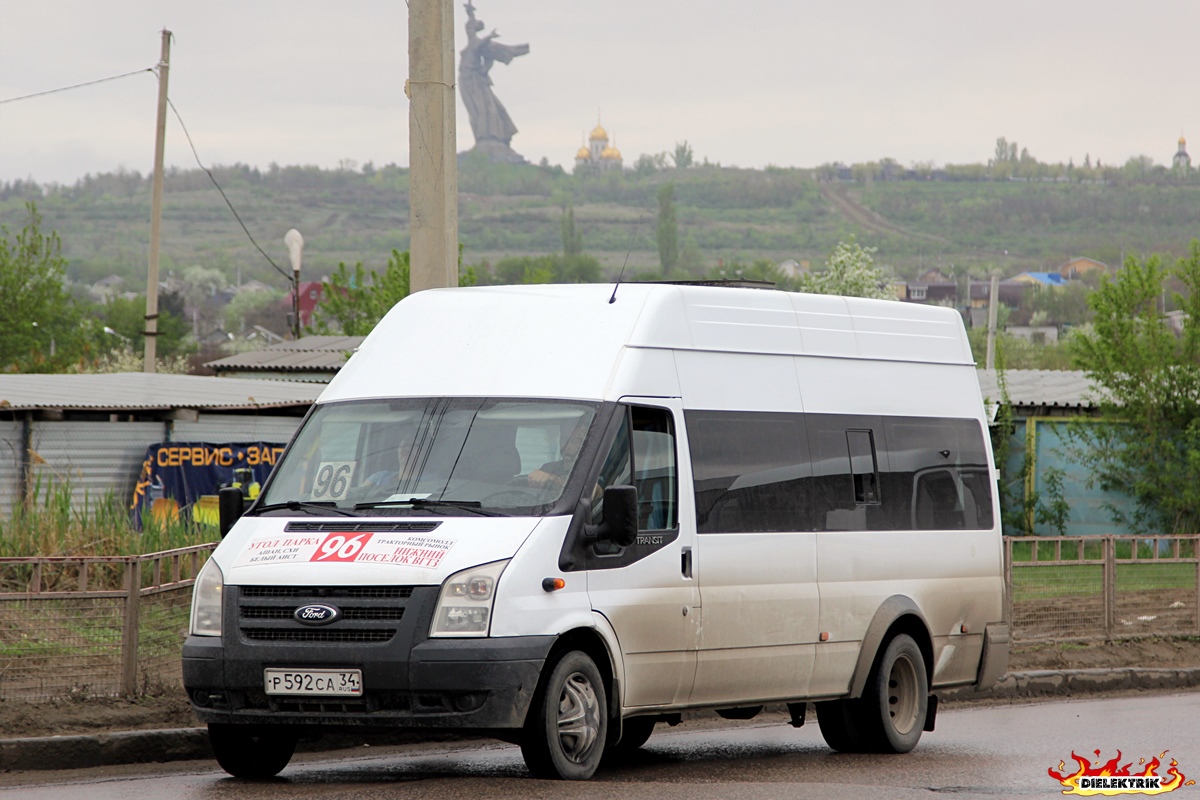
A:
251	751
838	720
568	721
890	715
896	697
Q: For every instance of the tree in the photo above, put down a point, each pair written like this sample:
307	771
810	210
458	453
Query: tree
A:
353	301
682	156
668	229
1147	377
249	308
41	327
849	271
554	268
126	319
571	236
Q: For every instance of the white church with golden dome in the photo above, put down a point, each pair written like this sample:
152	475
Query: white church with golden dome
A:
598	155
1182	161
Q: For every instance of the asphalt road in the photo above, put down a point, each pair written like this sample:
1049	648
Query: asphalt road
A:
977	751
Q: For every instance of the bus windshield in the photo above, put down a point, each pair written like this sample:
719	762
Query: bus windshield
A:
440	455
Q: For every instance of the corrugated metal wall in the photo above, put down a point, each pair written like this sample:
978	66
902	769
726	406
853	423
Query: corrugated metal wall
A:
220	428
93	457
10	464
99	457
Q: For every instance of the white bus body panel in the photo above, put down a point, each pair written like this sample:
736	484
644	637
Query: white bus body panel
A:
758	603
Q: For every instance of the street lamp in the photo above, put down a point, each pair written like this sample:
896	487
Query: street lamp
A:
295	246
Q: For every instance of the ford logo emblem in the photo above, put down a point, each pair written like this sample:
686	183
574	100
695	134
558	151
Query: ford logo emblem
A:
316	614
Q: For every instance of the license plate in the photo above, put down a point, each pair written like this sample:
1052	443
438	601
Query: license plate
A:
321	682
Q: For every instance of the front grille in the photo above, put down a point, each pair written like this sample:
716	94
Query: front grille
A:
361	636
270	612
369	614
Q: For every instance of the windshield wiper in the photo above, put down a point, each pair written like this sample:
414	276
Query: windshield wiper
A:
474	506
300	505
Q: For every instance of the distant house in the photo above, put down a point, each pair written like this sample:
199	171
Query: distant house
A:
1041	404
932	286
793	268
107	288
1080	266
1039	279
310	297
1010	294
254	286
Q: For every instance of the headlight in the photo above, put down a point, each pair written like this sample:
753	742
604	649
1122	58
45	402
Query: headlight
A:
206	601
465	605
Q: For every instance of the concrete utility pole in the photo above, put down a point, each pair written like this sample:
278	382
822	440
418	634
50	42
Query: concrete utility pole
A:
993	314
433	165
160	142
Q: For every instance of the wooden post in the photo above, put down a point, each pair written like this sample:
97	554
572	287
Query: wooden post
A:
130	627
1008	583
1110	587
433	164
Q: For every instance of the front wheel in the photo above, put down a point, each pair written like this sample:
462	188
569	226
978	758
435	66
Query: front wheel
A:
251	751
568	721
635	732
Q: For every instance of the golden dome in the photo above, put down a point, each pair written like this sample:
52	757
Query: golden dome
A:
599	133
1182	142
610	153
582	154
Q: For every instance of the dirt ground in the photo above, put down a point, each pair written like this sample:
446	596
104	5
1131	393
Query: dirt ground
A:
98	715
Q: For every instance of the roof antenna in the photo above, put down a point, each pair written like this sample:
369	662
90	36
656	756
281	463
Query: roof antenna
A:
616	286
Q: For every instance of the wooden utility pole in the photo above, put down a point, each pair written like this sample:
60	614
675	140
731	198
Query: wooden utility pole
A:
433	165
160	142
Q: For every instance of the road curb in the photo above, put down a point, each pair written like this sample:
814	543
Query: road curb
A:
185	744
1068	682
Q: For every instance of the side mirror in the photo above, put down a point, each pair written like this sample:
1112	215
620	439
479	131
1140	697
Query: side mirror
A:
230	506
619	525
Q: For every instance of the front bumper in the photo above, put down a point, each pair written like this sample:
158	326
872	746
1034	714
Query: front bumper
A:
409	680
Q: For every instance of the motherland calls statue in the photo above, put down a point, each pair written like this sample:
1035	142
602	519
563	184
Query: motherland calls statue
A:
490	122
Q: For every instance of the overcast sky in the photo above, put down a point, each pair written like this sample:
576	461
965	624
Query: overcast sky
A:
748	83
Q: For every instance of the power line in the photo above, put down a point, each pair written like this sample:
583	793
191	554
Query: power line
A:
213	178
76	86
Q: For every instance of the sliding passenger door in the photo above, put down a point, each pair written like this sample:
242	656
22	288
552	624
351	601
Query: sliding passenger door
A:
646	590
756	562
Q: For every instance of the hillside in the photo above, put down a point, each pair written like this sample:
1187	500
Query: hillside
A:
724	215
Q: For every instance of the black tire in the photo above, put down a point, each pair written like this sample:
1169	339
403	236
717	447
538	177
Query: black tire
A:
251	751
896	697
838	720
635	732
567	726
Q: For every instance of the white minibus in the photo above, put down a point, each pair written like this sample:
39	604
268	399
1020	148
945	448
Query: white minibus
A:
563	515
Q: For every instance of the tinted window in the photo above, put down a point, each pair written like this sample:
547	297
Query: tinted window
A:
751	471
939	473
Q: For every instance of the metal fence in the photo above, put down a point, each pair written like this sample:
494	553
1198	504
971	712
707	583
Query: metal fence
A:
1111	587
87	626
